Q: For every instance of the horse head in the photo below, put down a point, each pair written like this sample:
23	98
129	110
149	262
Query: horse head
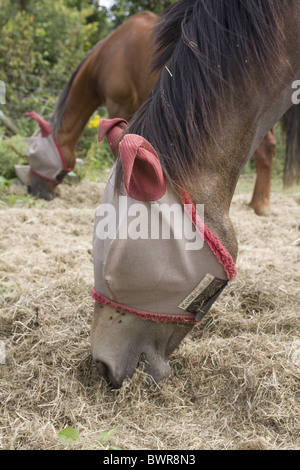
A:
146	301
47	164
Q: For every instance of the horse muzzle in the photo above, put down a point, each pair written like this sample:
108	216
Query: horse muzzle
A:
122	343
40	188
156	370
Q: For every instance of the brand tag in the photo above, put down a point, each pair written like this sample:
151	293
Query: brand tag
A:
203	296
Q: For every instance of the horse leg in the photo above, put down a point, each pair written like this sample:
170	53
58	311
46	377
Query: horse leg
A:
264	156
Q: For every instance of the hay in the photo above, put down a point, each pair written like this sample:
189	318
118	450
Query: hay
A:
235	379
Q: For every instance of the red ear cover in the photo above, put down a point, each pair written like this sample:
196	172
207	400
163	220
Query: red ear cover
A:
113	130
142	171
45	126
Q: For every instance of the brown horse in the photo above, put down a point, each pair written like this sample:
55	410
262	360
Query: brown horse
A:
116	73
214	101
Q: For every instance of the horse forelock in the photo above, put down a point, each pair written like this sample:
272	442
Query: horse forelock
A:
204	49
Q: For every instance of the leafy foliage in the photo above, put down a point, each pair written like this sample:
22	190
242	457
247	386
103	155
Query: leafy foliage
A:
68	435
12	152
41	44
40	47
122	9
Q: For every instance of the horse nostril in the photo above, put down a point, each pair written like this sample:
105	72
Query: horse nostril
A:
102	368
105	371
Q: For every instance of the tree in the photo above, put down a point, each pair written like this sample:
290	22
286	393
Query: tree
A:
122	9
41	44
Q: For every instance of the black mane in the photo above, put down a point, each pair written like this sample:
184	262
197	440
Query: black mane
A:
205	49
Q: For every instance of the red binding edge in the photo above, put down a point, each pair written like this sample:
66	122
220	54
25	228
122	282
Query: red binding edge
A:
156	317
219	250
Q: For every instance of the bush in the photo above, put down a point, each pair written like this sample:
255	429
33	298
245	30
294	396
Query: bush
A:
40	47
12	152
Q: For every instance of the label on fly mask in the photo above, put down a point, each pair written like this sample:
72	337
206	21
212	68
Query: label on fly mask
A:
206	290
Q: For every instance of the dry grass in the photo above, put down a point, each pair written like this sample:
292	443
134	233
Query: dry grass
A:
235	379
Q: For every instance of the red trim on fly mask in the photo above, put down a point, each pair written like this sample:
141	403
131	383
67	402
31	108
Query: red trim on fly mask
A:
156	317
44	177
219	250
113	130
46	130
45	126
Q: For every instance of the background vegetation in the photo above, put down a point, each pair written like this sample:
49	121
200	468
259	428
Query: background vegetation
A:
41	44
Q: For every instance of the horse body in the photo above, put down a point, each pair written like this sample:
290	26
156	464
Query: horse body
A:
213	104
114	74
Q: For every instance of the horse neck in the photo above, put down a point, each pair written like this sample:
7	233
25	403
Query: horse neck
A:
83	99
112	77
240	133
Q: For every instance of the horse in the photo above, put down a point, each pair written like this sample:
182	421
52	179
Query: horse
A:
110	75
115	73
214	101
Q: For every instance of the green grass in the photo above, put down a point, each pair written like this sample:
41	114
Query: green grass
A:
15	200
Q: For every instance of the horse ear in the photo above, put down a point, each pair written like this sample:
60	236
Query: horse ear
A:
142	171
113	130
45	126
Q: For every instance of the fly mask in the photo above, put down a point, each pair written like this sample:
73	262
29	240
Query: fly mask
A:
152	276
45	156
